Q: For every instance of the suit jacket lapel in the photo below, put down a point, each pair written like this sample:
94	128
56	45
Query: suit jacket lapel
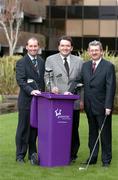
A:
60	63
72	64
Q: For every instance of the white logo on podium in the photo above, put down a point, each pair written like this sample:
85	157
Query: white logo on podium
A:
58	112
61	117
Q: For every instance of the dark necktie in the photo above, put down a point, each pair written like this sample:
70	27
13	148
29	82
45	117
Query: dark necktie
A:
93	67
34	61
66	66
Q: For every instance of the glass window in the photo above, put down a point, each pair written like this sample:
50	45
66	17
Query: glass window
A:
74	12
86	41
91	12
32	28
91	2
74	27
108	12
56	11
108	43
108	2
107	28
57	26
90	27
26	24
77	41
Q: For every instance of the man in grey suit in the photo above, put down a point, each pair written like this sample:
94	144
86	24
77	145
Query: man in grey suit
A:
98	77
65	68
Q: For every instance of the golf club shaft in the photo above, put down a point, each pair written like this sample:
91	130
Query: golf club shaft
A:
96	142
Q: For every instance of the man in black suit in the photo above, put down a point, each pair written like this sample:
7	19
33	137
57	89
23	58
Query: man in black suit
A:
98	77
30	78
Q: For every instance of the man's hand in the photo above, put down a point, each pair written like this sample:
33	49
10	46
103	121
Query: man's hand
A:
55	90
81	105
67	93
35	92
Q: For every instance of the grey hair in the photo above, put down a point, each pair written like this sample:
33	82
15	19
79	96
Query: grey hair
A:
95	43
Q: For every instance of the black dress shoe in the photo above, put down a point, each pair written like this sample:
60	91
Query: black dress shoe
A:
34	159
106	165
20	161
73	158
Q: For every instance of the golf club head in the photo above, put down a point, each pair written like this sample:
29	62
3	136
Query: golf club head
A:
82	168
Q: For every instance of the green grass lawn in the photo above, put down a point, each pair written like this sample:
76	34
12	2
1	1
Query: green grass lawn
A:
10	170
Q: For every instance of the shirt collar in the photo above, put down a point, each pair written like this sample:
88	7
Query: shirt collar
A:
32	57
68	58
97	62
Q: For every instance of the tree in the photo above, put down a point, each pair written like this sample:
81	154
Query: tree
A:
11	16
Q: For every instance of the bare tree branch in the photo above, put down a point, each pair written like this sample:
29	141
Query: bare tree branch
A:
10	20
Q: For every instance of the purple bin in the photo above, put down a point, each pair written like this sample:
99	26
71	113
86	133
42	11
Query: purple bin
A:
53	115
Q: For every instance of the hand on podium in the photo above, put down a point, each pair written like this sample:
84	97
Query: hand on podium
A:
81	105
35	92
55	90
67	93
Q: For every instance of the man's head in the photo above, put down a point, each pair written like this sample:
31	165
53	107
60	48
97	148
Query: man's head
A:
32	46
65	45
95	50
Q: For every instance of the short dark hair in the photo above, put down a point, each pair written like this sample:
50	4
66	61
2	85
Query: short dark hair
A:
32	38
68	38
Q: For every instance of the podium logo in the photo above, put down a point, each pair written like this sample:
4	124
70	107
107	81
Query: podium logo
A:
58	112
61	116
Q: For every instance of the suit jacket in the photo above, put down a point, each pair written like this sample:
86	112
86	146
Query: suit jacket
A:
99	88
29	79
59	77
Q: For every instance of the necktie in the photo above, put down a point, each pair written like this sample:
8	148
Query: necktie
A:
34	61
66	65
93	67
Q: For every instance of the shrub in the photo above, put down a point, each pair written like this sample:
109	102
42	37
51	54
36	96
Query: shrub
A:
8	83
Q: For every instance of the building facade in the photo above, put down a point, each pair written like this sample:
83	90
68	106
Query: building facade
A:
83	20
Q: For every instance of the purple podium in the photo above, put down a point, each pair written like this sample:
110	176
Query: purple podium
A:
52	114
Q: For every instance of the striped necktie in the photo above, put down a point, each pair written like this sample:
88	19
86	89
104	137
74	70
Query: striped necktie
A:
34	61
93	67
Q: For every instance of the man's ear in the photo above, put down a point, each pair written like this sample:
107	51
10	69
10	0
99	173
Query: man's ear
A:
72	48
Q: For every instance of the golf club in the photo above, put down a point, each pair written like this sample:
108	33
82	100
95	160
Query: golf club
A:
86	167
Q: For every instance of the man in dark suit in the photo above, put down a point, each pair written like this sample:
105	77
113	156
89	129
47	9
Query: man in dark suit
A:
98	77
65	67
30	78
